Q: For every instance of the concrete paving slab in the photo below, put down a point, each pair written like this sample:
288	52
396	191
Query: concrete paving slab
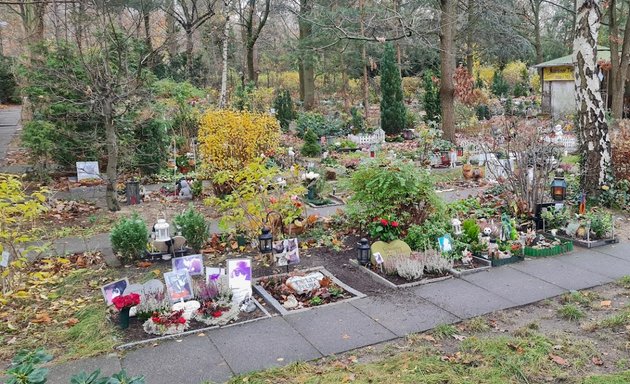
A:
61	373
338	328
514	285
462	298
597	262
190	360
404	317
619	250
262	344
562	274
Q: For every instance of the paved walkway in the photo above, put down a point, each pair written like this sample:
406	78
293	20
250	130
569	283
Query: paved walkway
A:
277	341
9	125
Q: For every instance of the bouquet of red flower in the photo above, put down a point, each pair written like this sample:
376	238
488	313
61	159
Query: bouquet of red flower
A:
126	301
168	323
216	312
168	319
384	229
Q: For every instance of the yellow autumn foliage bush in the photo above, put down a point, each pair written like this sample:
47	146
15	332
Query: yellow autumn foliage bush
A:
513	72
229	140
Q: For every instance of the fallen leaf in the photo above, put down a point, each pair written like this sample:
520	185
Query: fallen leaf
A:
558	360
597	361
428	338
459	337
516	348
345	337
42	318
12	341
280	359
353	359
605	303
144	264
72	322
201	334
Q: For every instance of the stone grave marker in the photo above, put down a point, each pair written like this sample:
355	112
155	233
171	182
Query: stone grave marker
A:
396	247
304	284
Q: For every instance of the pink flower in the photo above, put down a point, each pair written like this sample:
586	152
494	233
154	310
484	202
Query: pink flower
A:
384	222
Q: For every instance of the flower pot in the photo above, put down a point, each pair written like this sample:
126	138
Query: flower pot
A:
123	318
293	229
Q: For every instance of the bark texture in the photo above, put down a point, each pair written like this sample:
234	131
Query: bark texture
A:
448	21
619	61
306	67
592	127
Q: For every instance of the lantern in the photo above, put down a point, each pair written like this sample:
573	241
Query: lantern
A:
558	188
363	252
460	151
265	241
161	230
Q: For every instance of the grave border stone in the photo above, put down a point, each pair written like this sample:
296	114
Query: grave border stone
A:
283	311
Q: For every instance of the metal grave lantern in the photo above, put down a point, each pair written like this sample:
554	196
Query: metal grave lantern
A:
363	252
265	241
559	187
161	230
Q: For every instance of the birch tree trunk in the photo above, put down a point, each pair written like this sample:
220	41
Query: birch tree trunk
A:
592	127
224	70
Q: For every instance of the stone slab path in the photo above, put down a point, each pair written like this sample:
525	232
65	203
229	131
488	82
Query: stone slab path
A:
218	354
9	125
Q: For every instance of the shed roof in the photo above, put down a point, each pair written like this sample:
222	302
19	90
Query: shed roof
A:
603	53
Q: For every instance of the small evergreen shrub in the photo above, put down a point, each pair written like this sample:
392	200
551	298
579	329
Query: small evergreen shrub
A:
129	237
311	147
499	86
431	98
284	109
193	227
393	111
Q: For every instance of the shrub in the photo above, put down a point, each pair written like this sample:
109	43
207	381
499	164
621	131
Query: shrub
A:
38	137
129	237
356	123
311	147
229	140
8	85
425	236
152	145
284	109
393	111
499	86
316	122
431	98
513	73
483	112
383	188
194	228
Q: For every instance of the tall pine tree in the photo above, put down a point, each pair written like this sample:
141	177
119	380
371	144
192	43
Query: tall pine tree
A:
393	110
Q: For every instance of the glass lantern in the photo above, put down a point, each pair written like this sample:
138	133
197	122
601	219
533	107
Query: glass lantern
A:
559	189
265	241
363	252
161	231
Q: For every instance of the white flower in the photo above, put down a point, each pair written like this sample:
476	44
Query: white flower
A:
310	176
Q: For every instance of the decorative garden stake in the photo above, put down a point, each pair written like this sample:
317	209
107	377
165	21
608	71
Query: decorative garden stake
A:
559	187
363	252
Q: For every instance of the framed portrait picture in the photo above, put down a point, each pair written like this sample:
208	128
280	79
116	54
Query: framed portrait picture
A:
191	263
214	273
111	290
446	243
239	273
286	252
178	285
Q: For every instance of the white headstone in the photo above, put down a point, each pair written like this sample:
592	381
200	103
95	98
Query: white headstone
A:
304	284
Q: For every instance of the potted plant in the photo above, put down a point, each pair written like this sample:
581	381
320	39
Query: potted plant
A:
384	229
123	304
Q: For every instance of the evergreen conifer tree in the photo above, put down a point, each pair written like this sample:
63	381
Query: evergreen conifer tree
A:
393	112
431	99
311	147
284	109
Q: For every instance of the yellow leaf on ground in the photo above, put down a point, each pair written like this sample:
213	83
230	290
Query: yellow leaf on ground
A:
21	295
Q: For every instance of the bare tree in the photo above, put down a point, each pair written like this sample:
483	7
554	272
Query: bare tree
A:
592	127
190	15
253	19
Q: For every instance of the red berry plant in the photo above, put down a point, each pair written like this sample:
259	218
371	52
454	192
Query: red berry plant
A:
384	229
